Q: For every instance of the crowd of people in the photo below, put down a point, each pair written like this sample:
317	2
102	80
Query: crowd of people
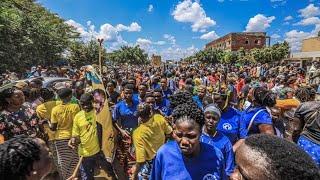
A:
176	121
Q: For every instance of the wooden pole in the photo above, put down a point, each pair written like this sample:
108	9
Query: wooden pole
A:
100	49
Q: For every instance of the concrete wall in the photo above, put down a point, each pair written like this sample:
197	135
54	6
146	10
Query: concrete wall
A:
314	55
311	44
234	41
247	41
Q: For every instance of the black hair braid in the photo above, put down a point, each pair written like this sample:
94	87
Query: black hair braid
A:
46	94
293	166
264	97
180	97
188	112
144	110
17	156
7	93
305	93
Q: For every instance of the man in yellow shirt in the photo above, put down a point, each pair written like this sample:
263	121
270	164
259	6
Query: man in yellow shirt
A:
44	113
147	139
85	136
61	122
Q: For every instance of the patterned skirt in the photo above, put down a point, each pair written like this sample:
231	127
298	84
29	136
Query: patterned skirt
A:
125	154
311	148
65	158
145	170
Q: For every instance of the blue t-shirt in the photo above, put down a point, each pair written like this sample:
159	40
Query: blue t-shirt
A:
262	118
229	124
170	163
135	96
198	101
221	142
167	93
127	115
164	107
155	86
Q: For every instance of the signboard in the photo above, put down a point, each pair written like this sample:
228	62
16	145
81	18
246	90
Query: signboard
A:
156	61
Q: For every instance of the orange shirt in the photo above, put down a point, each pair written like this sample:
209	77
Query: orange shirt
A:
287	103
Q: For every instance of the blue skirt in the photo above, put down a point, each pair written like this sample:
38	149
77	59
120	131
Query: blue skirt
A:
311	148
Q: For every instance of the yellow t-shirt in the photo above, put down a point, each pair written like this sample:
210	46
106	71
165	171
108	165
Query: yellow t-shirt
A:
149	136
44	112
63	115
85	127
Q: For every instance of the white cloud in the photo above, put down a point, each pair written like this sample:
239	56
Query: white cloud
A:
294	38
170	38
309	21
192	12
288	18
134	27
309	11
160	43
108	32
259	23
150	8
144	42
176	53
275	36
209	36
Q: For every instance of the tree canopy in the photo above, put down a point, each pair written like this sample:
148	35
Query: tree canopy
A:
274	53
30	34
130	55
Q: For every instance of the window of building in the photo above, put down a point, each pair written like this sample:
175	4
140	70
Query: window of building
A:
246	42
257	41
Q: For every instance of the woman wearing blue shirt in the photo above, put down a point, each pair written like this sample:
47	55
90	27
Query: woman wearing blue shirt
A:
256	118
125	120
186	157
229	123
215	138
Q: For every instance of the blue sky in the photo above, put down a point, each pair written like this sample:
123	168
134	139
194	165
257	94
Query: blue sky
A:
178	28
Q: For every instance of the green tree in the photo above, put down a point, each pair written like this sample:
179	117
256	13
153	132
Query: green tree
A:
81	53
130	55
30	35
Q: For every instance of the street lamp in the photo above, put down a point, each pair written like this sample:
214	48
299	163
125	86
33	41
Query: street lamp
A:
100	48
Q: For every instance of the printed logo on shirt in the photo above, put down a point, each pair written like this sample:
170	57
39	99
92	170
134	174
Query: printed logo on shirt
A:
227	126
210	177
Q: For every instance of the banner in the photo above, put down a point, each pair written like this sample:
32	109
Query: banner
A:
103	114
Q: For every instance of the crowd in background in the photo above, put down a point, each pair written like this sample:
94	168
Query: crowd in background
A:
175	121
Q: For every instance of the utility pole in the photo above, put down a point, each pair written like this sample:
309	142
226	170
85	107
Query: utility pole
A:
100	49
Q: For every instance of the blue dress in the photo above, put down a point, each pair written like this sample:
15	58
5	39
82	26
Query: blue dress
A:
229	124
164	107
126	115
170	164
262	117
221	142
311	148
